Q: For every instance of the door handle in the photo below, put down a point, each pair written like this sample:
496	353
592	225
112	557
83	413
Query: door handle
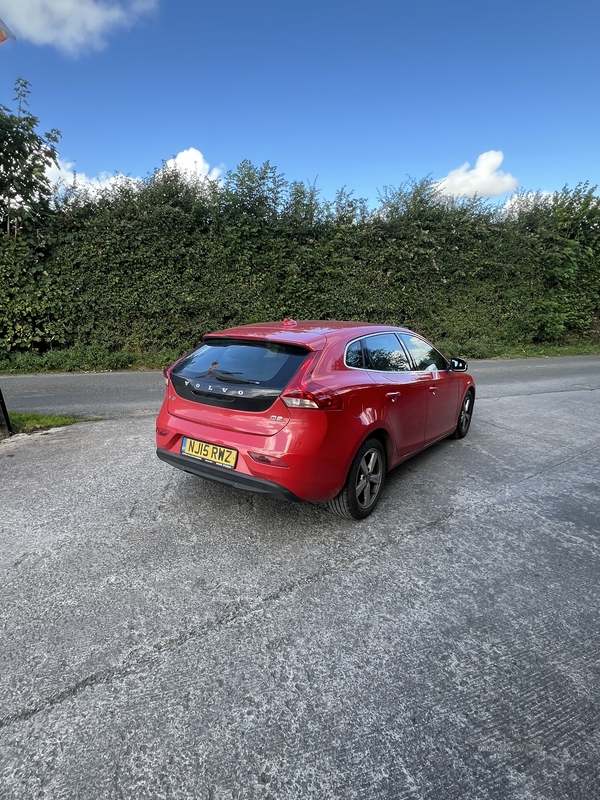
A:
432	389
393	396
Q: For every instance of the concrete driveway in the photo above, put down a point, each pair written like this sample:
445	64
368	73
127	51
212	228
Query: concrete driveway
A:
167	637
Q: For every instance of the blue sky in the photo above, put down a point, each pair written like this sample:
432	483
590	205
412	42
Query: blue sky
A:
355	95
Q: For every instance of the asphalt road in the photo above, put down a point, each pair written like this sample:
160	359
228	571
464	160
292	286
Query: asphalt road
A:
166	637
110	395
115	395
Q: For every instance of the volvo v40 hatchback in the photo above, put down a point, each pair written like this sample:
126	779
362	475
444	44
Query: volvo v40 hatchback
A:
315	411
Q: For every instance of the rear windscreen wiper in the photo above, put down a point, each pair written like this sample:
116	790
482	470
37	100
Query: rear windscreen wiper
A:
229	377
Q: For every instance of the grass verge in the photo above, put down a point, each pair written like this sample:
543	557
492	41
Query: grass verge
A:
86	359
545	350
486	348
31	423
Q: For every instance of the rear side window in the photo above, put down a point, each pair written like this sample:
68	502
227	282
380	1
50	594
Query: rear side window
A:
354	356
236	373
384	353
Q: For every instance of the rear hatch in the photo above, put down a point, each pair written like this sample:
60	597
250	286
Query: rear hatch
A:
235	384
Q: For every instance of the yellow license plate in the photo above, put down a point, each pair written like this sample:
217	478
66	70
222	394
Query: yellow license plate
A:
224	456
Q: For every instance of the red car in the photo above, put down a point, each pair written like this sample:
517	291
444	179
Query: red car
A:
316	411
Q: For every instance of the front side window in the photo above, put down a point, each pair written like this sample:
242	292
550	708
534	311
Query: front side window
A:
426	357
384	353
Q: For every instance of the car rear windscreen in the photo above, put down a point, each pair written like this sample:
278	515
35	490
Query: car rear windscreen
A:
237	373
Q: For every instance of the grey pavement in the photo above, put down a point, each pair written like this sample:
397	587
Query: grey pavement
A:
167	637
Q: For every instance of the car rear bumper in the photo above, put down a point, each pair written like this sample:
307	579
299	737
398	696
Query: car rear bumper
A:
238	480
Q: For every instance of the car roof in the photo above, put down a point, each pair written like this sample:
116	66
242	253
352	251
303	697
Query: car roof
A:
310	333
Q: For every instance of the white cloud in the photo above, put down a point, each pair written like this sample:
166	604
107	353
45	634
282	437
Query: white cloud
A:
484	180
64	174
72	25
191	163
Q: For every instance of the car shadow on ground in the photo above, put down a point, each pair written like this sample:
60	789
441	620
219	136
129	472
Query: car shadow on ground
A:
414	491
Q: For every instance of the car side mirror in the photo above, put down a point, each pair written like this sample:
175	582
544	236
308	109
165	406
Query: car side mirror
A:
459	365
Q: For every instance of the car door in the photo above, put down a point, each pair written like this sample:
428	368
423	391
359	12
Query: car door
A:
403	392
441	386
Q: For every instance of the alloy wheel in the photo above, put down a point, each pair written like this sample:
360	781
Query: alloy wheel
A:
369	478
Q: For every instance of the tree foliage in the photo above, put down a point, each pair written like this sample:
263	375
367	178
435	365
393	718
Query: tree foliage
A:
25	155
30	300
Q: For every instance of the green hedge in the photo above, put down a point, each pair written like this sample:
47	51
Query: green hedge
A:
153	265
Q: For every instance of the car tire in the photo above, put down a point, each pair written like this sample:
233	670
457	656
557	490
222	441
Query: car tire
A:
464	418
364	483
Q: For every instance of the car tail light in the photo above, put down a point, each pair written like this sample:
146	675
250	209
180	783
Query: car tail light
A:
302	393
272	461
312	396
166	376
